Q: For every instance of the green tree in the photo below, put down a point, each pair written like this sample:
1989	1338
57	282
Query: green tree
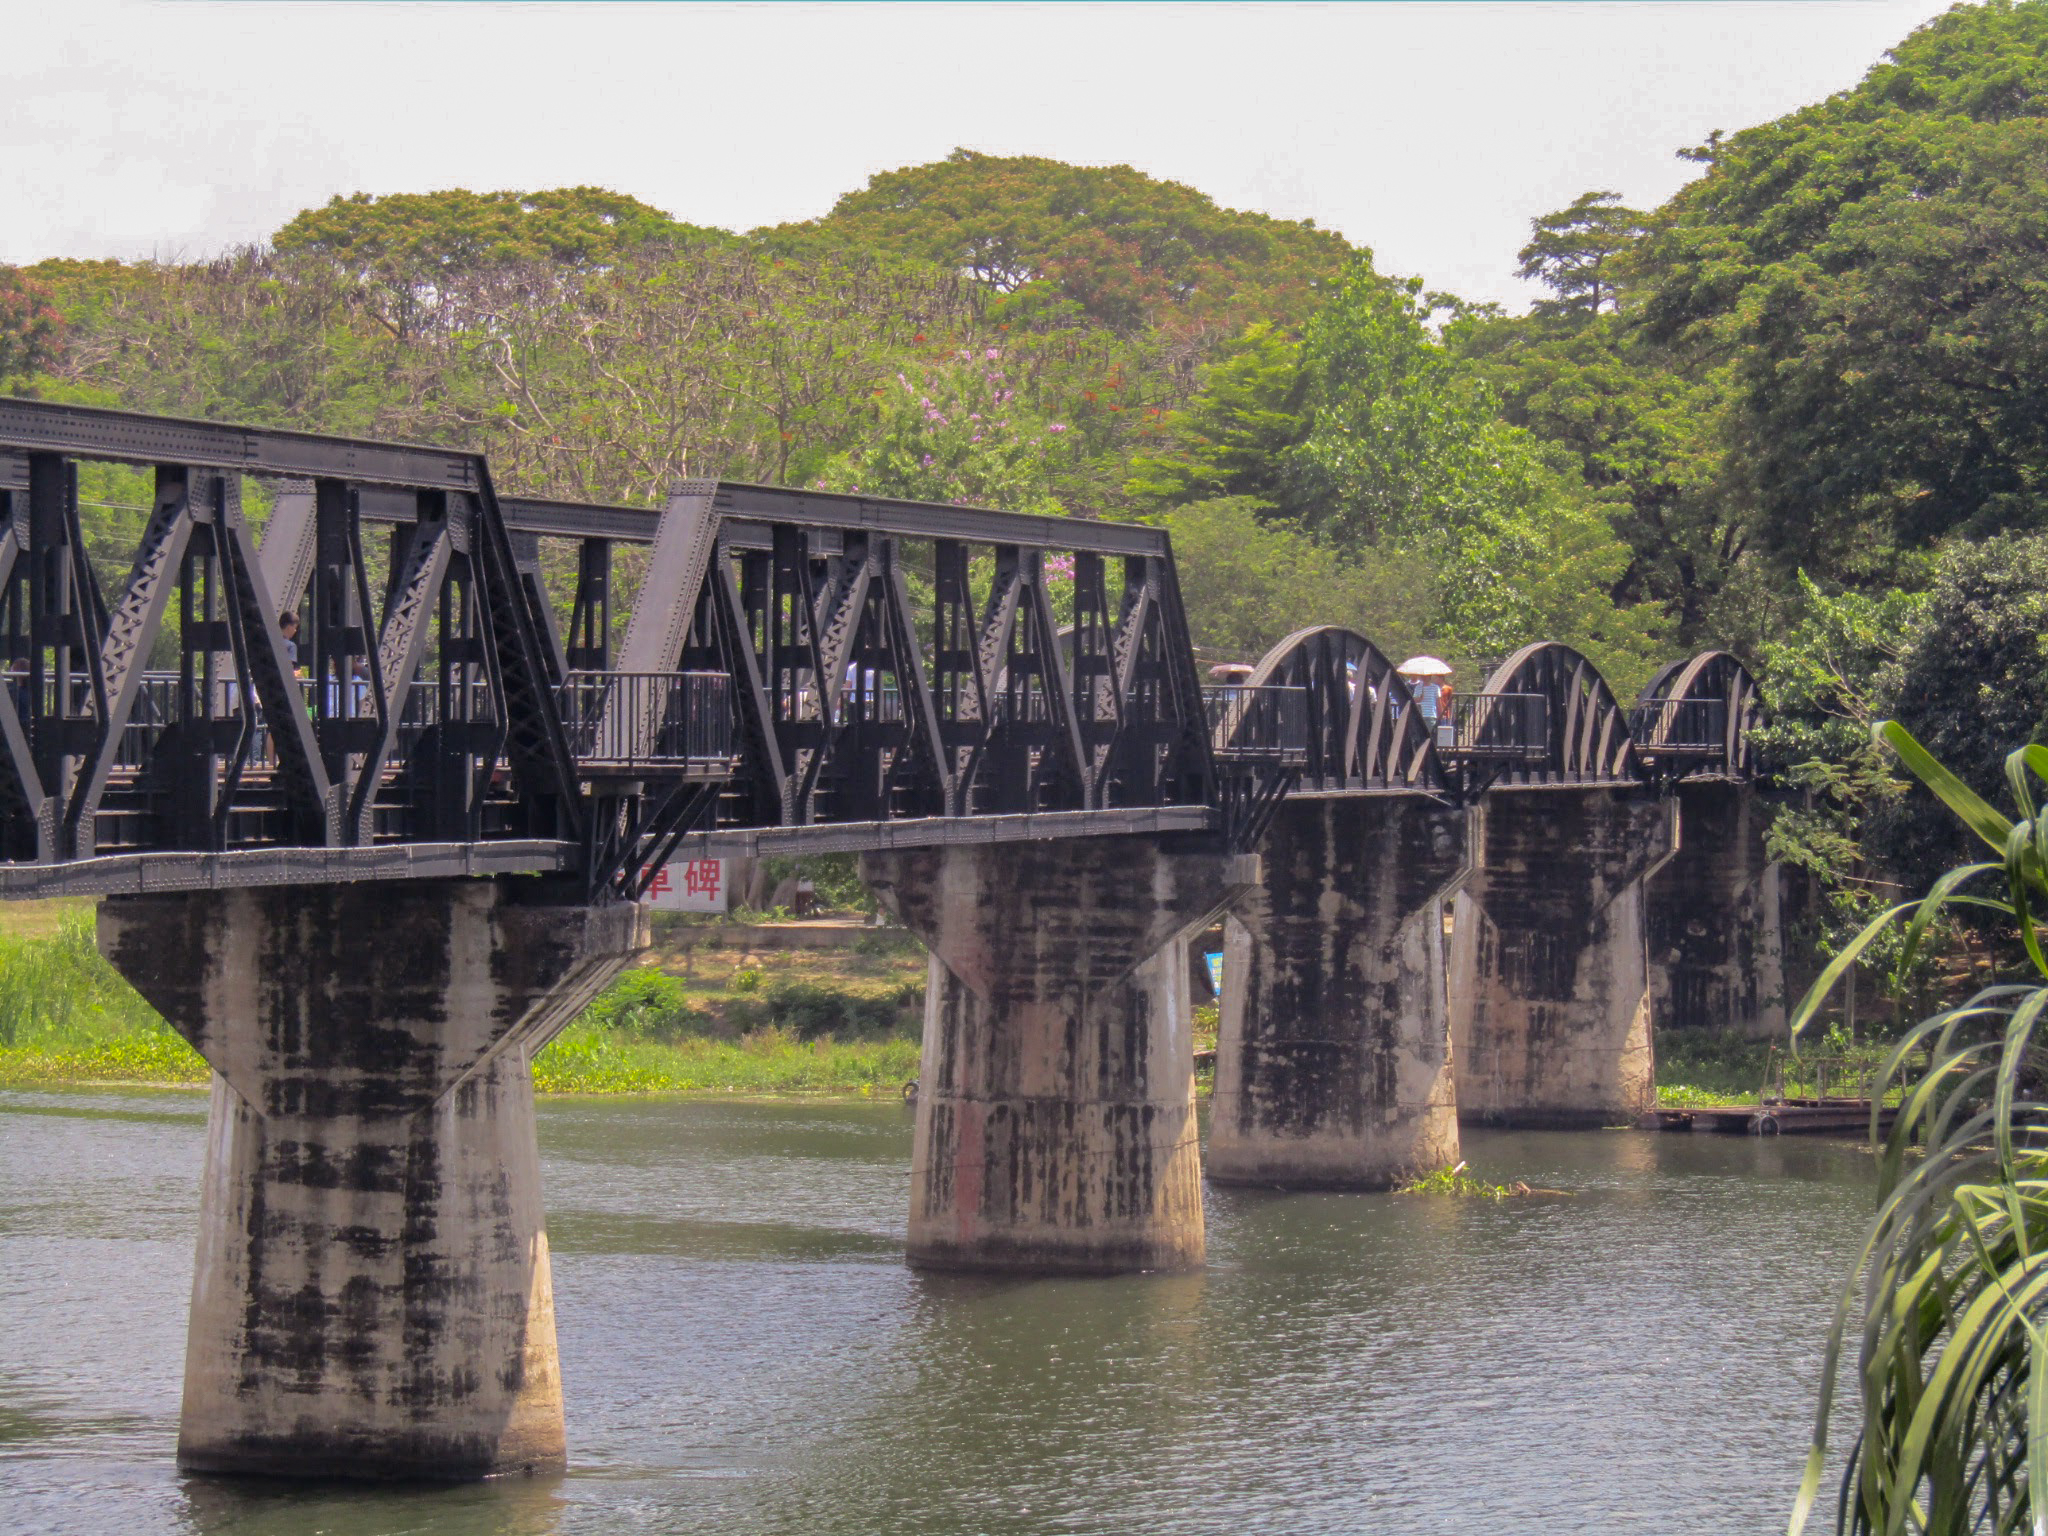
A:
1971	688
1647	442
1830	678
1574	253
405	248
1869	270
1231	440
955	430
1126	249
1248	580
1407	449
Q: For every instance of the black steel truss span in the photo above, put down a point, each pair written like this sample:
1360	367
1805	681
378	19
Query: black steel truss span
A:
1544	718
796	670
796	665
1694	718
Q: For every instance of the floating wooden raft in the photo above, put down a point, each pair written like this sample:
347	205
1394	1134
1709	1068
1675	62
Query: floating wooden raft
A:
1792	1117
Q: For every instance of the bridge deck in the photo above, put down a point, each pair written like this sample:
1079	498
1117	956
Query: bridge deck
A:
798	671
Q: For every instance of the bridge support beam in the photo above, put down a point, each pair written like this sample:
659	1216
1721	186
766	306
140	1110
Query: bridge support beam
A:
1056	1122
1714	918
1549	977
1333	1062
372	1295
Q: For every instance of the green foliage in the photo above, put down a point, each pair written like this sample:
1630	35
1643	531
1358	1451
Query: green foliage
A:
1574	252
1685	1096
811	1011
953	429
1830	677
835	879
1827	678
66	1014
1406	448
645	1002
1946	1303
404	249
1870	265
1710	1067
1247	582
1645	441
1117	246
1401	440
587	1059
1231	440
1456	1181
1974	684
61	991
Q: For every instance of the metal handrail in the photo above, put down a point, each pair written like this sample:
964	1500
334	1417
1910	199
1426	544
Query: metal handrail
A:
1691	726
647	719
1500	727
1269	724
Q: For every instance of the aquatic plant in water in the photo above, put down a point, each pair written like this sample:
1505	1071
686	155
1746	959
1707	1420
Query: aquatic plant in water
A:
1456	1181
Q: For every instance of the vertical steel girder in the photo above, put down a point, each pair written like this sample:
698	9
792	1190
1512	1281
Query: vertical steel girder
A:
589	646
534	588
66	715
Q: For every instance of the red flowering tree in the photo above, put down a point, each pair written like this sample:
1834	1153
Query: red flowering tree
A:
31	330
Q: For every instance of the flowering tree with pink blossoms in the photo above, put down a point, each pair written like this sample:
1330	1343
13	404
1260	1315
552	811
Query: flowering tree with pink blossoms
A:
954	427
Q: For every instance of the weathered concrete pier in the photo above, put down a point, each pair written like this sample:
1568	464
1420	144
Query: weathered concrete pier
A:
1055	1114
371	1295
1713	919
1550	978
1333	1061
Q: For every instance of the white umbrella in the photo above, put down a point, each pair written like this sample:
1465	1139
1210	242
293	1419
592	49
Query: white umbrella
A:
1424	666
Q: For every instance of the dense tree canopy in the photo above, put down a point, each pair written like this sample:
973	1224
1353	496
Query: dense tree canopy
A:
1125	249
407	250
1972	686
1870	270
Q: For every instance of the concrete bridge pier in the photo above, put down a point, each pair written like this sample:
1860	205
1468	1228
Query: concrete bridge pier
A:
1715	924
1549	975
1333	1062
371	1297
1055	1122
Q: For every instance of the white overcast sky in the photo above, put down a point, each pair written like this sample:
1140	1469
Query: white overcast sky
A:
1431	132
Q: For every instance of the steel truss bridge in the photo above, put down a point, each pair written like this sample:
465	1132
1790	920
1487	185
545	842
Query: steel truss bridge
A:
798	671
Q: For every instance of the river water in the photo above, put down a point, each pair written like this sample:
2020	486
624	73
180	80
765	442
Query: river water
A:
744	1351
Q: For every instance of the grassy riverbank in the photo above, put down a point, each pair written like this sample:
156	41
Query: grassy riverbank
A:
65	1016
705	1014
713	1009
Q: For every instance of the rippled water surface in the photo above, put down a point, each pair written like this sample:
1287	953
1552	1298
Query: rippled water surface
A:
744	1351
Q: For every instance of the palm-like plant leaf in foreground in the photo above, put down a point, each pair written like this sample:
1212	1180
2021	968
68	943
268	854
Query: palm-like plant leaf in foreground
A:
1950	1302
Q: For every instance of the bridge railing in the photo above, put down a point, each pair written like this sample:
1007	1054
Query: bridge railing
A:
1266	723
1679	727
1495	727
618	720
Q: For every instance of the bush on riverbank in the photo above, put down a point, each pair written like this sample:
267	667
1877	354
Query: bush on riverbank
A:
1696	1069
588	1058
